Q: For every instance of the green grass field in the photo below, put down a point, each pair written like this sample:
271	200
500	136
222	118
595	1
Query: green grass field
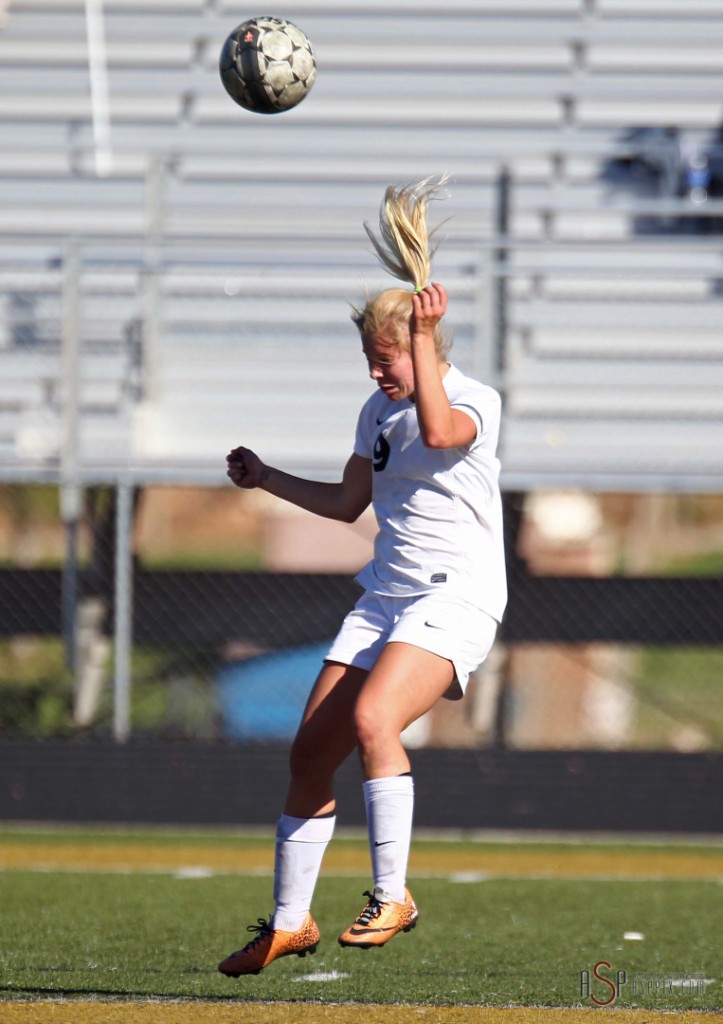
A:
518	936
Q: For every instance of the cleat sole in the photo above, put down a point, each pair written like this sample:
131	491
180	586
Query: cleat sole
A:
376	945
302	952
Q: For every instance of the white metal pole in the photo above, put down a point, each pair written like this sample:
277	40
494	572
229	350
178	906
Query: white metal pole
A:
123	612
99	91
484	366
156	176
70	491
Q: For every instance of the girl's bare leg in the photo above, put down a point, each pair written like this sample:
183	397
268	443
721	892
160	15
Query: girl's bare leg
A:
405	683
324	740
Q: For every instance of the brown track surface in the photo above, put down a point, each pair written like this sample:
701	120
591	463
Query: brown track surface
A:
511	862
52	1012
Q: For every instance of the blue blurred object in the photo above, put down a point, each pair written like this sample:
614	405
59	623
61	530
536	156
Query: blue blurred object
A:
263	698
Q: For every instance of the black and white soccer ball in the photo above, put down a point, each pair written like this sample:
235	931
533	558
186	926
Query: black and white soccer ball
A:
267	65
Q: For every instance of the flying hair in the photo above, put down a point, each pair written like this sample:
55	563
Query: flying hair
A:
404	249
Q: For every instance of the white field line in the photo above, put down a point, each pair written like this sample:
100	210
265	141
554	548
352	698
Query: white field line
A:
526	837
199	872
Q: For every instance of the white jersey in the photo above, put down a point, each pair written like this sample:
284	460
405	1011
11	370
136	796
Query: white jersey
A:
439	511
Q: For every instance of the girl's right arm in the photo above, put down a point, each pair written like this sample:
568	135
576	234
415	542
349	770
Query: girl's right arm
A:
345	500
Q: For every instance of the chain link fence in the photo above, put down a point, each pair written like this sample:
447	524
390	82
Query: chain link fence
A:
182	298
612	638
133	603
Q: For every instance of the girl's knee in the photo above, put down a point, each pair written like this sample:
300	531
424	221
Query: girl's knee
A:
372	728
312	760
303	758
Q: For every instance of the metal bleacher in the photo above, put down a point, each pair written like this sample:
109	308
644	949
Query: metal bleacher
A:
219	250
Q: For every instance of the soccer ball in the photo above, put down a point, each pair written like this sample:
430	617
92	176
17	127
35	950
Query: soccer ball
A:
267	65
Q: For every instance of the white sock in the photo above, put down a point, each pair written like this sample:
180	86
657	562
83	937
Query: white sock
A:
390	807
300	846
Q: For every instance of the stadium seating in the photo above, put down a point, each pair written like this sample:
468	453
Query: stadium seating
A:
220	249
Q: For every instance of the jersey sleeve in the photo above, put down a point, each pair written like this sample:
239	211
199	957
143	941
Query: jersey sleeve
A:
483	406
363	440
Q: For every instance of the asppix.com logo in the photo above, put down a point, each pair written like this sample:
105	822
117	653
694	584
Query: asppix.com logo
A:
605	985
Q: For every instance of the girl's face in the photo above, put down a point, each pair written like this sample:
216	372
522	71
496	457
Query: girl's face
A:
390	366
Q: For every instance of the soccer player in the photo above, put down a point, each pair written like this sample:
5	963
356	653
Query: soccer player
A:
434	592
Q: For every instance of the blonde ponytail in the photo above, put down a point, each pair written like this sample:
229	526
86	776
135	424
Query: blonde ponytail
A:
404	250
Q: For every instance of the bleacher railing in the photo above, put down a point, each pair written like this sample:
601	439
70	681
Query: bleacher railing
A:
607	353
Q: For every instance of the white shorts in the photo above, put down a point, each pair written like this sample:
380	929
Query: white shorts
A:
446	626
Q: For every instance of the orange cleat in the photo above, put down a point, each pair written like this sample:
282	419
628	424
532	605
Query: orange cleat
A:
269	944
380	920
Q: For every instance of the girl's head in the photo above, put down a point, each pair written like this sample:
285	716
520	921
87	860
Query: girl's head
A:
404	250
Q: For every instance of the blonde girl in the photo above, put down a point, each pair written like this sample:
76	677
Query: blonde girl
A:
425	458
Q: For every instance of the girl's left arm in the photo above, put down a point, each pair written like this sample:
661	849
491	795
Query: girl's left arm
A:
440	426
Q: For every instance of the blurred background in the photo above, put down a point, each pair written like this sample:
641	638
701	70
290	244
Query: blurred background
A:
176	276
